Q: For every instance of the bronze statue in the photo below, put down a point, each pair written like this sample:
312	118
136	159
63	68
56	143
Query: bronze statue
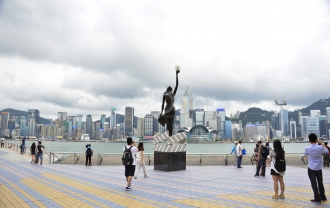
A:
169	108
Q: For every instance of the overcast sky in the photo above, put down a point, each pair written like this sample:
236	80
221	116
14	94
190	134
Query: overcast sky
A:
84	57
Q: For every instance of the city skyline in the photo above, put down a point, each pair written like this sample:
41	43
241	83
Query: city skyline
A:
86	57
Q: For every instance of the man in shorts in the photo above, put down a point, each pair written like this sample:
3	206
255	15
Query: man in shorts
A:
130	169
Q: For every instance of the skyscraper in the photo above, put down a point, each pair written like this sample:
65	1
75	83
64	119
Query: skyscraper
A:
186	119
129	120
199	117
62	116
274	122
293	129
140	128
4	122
113	119
89	122
149	126
33	120
102	120
284	117
23	126
221	119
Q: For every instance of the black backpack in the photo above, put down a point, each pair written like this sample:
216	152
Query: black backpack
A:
265	152
127	158
280	164
89	151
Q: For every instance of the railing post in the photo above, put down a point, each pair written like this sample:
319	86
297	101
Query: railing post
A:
98	159
74	158
50	157
150	159
226	158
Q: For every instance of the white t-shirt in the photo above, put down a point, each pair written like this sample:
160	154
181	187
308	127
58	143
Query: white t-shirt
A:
134	151
2	139
239	149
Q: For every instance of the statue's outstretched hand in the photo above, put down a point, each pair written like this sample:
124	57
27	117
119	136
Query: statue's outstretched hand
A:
177	72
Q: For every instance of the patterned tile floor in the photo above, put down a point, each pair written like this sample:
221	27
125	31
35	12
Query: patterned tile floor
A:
23	184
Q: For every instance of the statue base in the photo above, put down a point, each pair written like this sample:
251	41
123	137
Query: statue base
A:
169	161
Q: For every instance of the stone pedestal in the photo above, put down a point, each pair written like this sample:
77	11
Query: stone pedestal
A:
169	161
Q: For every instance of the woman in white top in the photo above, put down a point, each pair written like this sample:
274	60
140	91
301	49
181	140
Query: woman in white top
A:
140	161
277	176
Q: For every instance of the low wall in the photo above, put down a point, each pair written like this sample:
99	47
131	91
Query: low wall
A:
192	160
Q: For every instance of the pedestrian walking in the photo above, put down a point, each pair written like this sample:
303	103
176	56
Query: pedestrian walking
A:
314	152
239	150
33	152
2	142
140	161
277	168
233	151
89	154
40	149
326	156
128	160
255	154
269	149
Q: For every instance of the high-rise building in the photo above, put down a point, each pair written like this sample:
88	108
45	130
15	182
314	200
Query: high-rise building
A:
129	121
274	122
315	113
89	122
140	128
228	130
79	121
186	118
102	120
149	126
97	130
23	126
199	117
72	131
62	116
323	126
293	129
4	122
221	119
113	119
313	126
210	115
284	117
33	119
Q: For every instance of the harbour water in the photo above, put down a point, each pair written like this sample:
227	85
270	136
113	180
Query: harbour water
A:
117	147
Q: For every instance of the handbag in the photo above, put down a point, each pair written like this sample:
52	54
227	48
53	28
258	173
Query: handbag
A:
162	120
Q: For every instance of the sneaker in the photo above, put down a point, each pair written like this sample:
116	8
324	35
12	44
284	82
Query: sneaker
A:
146	176
324	198
256	175
314	200
128	188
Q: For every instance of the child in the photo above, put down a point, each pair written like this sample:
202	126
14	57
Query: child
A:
140	161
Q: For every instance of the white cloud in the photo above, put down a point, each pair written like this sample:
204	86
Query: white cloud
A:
83	56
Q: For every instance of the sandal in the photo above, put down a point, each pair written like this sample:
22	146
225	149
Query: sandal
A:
275	197
281	196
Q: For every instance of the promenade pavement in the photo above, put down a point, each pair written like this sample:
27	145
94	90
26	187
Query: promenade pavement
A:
23	184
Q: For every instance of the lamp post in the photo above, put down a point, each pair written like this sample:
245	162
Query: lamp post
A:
282	126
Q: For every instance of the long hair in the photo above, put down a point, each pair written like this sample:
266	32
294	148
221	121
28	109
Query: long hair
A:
140	146
278	148
33	146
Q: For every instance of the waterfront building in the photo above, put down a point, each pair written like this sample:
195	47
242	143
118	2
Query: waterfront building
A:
62	116
275	122
102	120
140	128
200	133
228	130
255	132
113	118
199	117
313	126
221	119
129	121
211	116
33	119
284	117
314	113
323	126
97	130
106	130
293	129
186	111
23	126
149	126
89	122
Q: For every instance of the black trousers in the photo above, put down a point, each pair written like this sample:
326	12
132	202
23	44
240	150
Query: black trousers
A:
317	183
2	145
88	159
261	162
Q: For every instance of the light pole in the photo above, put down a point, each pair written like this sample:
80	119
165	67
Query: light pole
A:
282	125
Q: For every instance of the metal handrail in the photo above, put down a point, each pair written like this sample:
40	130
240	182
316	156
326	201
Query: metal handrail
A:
76	156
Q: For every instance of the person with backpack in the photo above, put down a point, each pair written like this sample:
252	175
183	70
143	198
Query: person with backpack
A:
314	151
277	168
262	156
89	154
128	160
